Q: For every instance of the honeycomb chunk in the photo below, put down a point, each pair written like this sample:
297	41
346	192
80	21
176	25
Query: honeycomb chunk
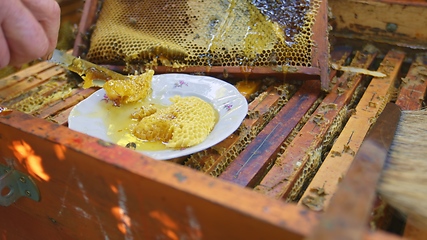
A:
144	111
185	123
137	87
205	33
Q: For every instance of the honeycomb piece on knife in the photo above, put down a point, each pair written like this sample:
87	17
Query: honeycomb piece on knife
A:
185	123
137	87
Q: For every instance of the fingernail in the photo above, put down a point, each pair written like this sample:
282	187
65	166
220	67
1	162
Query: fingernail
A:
48	56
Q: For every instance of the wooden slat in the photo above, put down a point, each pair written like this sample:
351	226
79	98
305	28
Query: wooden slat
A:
251	164
348	142
414	85
61	117
299	159
57	106
320	51
348	217
88	18
29	83
24	74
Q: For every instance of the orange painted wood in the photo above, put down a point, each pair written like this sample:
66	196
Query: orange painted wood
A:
351	204
288	168
91	189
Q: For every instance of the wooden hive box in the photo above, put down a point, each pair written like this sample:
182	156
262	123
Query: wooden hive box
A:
274	178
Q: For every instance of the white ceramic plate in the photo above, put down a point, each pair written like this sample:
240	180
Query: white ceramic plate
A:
90	115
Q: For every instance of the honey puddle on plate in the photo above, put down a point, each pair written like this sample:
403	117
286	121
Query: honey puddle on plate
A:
119	125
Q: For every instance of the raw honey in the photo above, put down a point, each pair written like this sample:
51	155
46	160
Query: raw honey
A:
119	125
190	121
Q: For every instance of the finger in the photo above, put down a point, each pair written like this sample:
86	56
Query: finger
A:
25	36
48	13
4	51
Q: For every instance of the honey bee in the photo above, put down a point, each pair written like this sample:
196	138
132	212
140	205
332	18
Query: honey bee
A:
133	21
131	145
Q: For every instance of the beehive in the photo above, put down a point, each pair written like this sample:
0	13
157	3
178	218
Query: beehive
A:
285	123
113	192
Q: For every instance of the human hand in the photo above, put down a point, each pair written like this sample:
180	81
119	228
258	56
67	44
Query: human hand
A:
28	30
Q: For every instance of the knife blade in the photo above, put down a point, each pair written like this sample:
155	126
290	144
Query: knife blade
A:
90	72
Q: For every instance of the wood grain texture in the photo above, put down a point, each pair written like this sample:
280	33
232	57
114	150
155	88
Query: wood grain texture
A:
413	87
91	189
351	203
250	166
339	158
290	167
387	21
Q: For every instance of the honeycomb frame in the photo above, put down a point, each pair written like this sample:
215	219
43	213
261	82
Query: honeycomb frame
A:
315	66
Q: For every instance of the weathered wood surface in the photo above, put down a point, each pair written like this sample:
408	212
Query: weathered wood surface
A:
386	21
91	190
302	157
413	87
339	158
58	110
94	190
320	51
351	203
251	165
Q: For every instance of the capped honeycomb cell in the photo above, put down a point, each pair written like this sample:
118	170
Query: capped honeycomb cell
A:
185	123
205	33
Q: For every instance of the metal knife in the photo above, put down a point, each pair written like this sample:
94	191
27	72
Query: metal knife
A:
88	71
